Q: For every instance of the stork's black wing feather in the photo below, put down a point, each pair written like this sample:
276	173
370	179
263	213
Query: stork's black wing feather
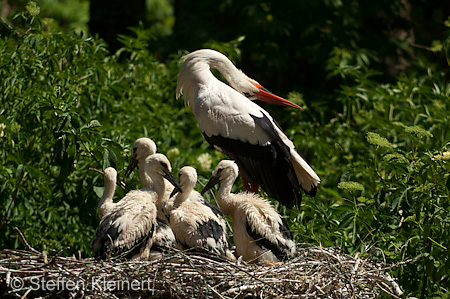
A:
269	166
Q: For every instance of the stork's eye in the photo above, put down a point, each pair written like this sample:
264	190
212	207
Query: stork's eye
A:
246	94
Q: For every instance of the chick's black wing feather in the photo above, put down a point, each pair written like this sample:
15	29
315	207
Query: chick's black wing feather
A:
279	249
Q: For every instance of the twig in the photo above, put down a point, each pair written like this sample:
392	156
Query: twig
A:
24	241
96	170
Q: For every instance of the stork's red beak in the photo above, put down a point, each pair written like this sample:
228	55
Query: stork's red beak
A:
266	96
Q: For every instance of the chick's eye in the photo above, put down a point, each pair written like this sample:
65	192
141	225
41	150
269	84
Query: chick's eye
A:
219	170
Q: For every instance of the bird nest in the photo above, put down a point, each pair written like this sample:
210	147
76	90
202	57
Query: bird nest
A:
316	272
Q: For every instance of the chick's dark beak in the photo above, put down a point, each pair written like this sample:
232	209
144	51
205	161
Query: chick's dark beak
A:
131	166
212	181
174	191
168	175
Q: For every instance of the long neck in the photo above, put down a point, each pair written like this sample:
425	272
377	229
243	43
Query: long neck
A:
145	179
106	201
224	195
182	196
229	71
159	184
194	75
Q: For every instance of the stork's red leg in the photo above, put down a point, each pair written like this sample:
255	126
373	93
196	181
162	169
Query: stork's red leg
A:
252	187
246	184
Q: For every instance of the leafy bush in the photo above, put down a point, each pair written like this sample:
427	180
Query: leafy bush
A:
65	107
388	153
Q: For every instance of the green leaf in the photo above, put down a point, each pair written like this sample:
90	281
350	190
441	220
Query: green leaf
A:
109	159
60	126
20	171
99	191
345	176
94	124
447	184
426	231
60	148
66	168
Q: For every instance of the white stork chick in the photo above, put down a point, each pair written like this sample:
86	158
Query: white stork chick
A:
106	203
195	224
245	132
259	232
163	237
142	148
127	230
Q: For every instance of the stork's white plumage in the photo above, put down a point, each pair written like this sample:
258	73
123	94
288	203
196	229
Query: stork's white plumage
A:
106	202
127	230
163	237
142	148
243	130
259	232
196	225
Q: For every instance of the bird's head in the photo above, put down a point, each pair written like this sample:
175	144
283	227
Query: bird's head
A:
198	63
110	175
226	169
252	90
142	148
158	165
187	178
248	87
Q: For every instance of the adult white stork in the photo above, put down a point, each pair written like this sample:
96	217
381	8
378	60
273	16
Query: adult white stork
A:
196	225
244	131
163	237
259	232
127	229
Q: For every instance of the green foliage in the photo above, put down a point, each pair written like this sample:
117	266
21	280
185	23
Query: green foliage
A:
376	139
391	145
351	186
380	146
65	107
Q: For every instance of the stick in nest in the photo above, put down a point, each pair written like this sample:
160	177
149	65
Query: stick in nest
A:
24	241
316	272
